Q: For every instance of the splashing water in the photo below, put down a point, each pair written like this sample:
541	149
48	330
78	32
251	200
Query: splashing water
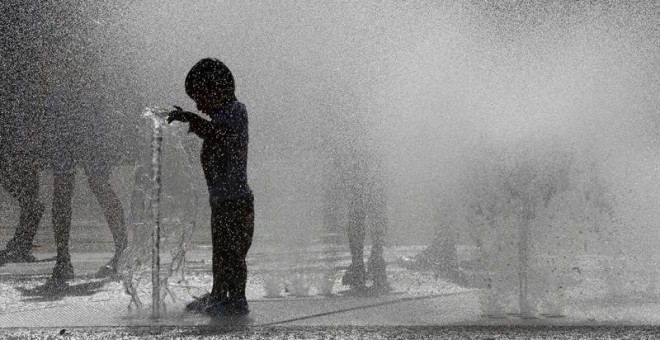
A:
533	211
162	214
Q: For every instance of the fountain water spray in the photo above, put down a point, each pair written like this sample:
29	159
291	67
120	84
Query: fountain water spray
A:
512	201
163	210
157	117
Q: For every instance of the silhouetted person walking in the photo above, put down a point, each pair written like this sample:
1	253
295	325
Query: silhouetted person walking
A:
63	102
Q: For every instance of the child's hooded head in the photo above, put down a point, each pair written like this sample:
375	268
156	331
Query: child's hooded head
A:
210	83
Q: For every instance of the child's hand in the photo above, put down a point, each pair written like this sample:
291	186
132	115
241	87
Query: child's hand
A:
179	115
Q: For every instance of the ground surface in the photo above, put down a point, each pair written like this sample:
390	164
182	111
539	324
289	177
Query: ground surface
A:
399	332
421	304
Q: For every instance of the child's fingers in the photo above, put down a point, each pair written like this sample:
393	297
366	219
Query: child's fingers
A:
178	115
174	115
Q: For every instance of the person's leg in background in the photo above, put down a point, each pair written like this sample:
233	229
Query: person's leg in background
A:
98	177
355	275
22	183
64	180
378	222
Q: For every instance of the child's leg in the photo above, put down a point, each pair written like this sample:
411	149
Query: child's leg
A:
218	296
240	228
220	245
233	226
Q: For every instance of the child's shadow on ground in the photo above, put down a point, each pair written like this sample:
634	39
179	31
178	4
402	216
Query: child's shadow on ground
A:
57	291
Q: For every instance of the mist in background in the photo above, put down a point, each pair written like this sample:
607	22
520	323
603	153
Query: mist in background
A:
431	85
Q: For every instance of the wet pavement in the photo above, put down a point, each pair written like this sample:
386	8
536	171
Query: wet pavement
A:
420	305
373	332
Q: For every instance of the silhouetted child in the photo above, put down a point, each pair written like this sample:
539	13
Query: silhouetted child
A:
224	161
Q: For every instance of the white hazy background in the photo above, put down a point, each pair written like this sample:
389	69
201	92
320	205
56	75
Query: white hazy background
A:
432	83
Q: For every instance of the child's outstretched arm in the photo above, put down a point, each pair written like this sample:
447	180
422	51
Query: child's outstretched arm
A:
198	125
